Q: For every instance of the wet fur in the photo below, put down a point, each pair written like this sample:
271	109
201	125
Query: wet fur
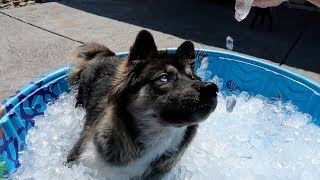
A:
122	132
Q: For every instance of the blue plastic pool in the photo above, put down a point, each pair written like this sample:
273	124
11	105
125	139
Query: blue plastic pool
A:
240	73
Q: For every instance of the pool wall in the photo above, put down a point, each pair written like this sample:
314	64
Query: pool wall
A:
240	73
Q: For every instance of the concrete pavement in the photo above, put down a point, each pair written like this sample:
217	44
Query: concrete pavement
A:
27	52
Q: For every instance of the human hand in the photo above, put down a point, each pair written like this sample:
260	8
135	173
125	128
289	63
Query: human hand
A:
243	7
267	3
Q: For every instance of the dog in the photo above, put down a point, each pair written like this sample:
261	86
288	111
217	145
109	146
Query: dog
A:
142	111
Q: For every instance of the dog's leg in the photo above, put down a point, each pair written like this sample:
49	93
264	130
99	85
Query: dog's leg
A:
75	152
163	165
77	149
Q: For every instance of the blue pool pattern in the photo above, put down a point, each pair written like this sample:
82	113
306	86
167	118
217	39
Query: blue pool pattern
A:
240	73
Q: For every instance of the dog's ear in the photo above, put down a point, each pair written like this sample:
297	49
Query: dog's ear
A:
128	71
126	79
185	50
143	47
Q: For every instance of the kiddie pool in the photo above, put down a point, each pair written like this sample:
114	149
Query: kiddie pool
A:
240	73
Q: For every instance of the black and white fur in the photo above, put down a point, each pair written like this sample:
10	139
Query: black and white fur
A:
142	111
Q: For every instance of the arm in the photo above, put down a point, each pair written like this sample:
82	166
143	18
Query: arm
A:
271	3
315	2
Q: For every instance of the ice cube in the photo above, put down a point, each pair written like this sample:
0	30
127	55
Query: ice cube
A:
203	74
306	175
229	43
231	102
218	81
204	63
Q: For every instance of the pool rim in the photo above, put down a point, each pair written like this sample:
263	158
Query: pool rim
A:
62	72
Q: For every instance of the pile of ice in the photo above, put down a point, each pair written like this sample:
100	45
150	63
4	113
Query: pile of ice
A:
256	139
260	139
49	142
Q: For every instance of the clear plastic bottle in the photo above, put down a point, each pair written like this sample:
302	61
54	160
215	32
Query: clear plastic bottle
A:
242	8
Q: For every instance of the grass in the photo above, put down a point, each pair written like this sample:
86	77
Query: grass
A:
3	167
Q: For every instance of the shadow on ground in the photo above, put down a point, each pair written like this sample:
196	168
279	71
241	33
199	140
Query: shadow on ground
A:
211	21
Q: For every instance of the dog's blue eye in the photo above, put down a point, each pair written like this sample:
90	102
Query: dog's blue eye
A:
163	78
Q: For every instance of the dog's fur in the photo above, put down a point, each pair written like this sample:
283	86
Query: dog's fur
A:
142	111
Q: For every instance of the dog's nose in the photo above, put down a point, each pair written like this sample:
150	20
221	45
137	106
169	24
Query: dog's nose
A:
208	91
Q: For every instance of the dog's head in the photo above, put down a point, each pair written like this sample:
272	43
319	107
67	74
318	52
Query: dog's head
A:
162	88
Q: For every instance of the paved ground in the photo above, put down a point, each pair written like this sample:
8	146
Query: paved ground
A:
27	52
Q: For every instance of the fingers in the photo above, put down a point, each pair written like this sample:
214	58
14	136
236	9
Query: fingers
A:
267	3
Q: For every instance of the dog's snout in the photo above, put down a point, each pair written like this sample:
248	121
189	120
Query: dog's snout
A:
208	91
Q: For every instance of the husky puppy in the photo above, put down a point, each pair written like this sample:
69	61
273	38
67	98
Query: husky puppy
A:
142	111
